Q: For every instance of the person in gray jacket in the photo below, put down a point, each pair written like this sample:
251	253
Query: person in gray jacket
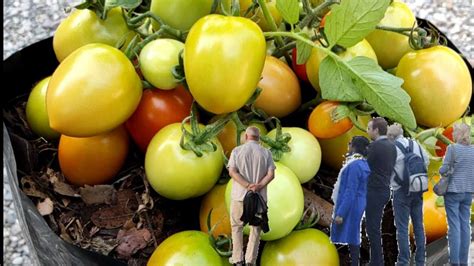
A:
458	198
407	205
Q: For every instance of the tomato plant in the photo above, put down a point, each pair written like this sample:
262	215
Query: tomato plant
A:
362	48
94	90
281	94
321	124
83	26
223	61
157	109
36	113
157	60
185	248
262	22
179	174
334	149
215	200
285	203
300	69
93	160
180	14
304	247
436	77
304	159
391	46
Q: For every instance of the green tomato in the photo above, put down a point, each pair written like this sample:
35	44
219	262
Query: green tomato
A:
285	203
304	159
179	174
36	114
304	247
472	212
180	14
186	248
157	60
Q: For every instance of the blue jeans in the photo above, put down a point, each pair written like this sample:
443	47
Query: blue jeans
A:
377	198
458	210
404	207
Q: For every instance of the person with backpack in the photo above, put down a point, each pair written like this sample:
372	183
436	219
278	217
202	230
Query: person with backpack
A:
409	181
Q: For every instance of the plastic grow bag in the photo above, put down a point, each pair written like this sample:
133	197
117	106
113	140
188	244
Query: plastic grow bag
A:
21	70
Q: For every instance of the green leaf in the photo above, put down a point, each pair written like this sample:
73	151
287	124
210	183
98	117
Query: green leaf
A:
340	112
382	90
303	51
352	20
127	4
336	82
289	10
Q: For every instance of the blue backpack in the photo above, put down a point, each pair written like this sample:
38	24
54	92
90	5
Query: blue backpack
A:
415	174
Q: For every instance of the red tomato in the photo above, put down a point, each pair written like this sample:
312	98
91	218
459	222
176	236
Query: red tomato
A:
300	70
157	109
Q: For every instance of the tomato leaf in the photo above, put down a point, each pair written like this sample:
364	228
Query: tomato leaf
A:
127	4
336	82
303	51
352	20
289	10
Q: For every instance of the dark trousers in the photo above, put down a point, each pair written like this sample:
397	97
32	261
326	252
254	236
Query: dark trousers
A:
377	198
355	251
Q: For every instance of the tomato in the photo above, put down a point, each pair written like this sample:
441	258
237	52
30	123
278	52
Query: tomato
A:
185	248
262	22
223	61
83	26
285	203
181	14
157	109
448	132
179	174
36	113
303	247
94	90
334	149
362	48
321	125
228	136
93	160
300	70
436	77
215	200
304	159
391	46
281	94
157	60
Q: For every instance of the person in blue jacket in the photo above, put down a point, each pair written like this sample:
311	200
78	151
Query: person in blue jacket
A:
349	196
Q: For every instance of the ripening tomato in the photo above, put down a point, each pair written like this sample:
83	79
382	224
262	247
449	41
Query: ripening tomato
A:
304	159
93	160
94	90
300	70
391	46
362	48
157	60
83	26
281	93
215	200
436	77
180	14
285	203
448	132
157	109
334	149
321	125
185	248
223	61
36	113
180	174
303	247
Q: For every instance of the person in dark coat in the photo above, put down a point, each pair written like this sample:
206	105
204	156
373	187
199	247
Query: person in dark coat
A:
349	196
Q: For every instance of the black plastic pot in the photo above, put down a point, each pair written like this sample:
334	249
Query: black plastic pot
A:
21	70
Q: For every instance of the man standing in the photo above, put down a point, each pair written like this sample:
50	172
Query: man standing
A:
406	205
381	159
251	167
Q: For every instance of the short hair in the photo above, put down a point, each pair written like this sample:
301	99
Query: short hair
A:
253	131
462	133
394	131
381	124
360	145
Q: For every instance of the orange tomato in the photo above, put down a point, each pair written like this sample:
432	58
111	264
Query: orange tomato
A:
215	200
321	125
